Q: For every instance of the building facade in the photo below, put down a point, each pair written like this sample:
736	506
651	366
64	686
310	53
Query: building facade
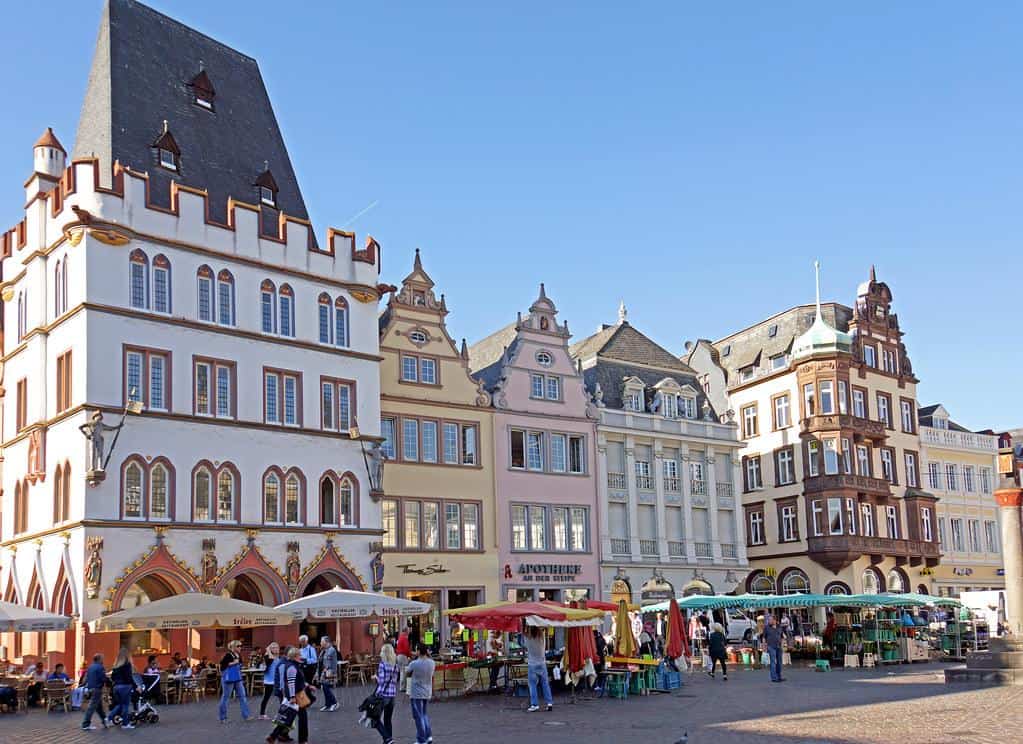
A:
670	519
440	532
169	279
825	399
960	467
544	431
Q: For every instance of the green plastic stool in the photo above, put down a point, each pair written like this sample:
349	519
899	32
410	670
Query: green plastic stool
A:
823	665
617	686
637	684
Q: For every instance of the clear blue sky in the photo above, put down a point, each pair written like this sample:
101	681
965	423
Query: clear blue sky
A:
693	160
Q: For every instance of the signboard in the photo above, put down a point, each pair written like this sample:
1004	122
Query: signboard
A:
1005	464
543	573
962	571
656	589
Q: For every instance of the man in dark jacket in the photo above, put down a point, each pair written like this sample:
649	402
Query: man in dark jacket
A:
95	681
773	635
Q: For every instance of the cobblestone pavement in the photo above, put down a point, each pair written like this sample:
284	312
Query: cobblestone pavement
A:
908	705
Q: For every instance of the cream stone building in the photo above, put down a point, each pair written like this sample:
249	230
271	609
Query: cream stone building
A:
959	467
825	398
440	536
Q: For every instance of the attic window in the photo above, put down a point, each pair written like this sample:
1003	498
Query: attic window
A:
267	187
167	150
727	350
202	88
746	373
772	331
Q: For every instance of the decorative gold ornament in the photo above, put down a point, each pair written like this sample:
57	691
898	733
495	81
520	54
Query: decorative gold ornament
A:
75	236
109	236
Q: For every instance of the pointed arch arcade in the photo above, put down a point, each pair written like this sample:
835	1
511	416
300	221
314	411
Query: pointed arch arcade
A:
249	565
330	564
159	567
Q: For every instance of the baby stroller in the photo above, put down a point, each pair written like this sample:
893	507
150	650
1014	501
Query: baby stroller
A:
147	686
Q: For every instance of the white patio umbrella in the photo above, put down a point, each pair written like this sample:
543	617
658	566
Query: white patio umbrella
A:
21	619
343	604
192	610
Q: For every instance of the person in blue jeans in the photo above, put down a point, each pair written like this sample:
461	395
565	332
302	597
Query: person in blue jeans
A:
95	681
420	670
231	679
121	677
772	638
536	659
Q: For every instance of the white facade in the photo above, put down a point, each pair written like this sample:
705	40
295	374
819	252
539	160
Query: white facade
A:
92	318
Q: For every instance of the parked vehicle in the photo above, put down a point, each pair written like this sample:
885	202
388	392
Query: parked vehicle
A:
741	627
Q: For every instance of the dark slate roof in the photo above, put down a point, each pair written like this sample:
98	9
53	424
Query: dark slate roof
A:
486	355
925	415
757	344
621	351
143	64
624	343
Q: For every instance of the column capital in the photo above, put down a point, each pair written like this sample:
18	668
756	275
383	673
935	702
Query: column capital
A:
1009	497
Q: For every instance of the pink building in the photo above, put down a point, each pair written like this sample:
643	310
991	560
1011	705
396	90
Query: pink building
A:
544	427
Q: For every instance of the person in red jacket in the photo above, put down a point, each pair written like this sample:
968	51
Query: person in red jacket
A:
403	649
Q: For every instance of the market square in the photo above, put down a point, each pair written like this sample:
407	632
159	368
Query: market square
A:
295	428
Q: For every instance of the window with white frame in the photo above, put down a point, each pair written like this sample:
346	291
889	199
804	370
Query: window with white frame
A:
782	417
138	266
147	378
985	480
544	359
272	499
925	524
846	456
226	486
204	293
756	528
991	536
669	405
202	495
867	519
908	418
952	476
749	421
268	307
887	466
410	439
754	479
534	450
161	284
335	404
536	386
779	361
941	532
863	460
817	509
340	322
850	515
813	451
786	471
973	531
892	518
687	406
633	400
883	410
870	355
843	398
409	368
934	476
280	398
859	404
387	432
827	397
644	480
746	373
968	480
132	498
835	516
214	388
225	298
809	402
957	535
830	456
287	311
789	523
911	481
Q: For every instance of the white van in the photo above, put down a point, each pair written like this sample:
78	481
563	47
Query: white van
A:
741	627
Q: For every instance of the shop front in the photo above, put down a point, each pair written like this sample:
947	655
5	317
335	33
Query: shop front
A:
526	581
949	580
645	585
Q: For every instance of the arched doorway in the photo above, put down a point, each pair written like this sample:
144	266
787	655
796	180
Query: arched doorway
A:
898	582
697	586
147	589
316	628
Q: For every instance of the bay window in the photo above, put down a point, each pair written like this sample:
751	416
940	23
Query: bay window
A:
835	516
827	397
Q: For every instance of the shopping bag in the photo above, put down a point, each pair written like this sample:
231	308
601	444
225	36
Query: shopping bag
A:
786	658
557	674
765	658
304	698
706	661
286	715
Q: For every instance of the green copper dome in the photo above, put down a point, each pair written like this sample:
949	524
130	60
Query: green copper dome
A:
821	339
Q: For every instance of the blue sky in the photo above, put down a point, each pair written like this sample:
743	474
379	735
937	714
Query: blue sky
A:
690	159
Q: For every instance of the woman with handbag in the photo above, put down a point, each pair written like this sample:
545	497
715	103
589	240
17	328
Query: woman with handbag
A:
297	697
387	686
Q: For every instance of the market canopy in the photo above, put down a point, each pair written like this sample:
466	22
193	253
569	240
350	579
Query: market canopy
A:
509	616
337	603
769	601
192	610
20	619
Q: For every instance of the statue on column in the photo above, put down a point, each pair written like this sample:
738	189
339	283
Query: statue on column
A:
377	570
94	567
94	431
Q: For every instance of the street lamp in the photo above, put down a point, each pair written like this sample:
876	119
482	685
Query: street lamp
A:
373	458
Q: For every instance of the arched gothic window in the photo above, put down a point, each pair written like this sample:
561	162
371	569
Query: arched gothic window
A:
268	306
225	496
161	284
132	491
225	298
138	288
346	502
340	322
323	307
204	291
287	314
292	510
328	509
271	499
201	506
159	504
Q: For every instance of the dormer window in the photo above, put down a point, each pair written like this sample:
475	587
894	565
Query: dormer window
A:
727	350
772	331
167	151
267	187
544	359
746	373
669	405
634	401
779	361
168	160
202	90
687	406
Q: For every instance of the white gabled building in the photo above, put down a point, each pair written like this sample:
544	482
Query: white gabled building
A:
172	263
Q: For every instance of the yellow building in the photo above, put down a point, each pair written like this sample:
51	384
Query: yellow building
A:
959	467
440	536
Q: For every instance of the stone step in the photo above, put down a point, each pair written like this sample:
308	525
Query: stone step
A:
965	675
994	660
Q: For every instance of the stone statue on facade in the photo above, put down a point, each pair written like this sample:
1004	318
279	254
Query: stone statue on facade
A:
293	566
94	567
94	431
377	570
209	563
598	395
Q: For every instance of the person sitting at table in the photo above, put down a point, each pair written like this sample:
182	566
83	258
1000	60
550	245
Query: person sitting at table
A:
151	666
58	673
184	671
35	686
256	658
175	661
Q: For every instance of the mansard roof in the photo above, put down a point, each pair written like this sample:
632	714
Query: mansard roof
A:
624	343
146	69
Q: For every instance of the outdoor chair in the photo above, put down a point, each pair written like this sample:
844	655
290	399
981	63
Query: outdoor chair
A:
57	695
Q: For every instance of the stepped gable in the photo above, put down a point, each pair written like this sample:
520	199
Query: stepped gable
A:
148	69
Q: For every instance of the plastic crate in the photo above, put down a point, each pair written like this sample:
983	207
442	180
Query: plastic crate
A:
669	680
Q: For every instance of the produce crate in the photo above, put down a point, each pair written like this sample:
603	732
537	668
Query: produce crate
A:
669	680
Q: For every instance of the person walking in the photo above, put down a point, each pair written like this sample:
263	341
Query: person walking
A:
231	680
121	678
536	664
773	635
387	687
307	658
292	682
328	673
95	681
403	652
421	671
717	650
271	661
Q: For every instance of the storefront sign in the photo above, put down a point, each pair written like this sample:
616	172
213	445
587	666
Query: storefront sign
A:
410	568
962	571
620	590
1000	572
549	572
656	589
